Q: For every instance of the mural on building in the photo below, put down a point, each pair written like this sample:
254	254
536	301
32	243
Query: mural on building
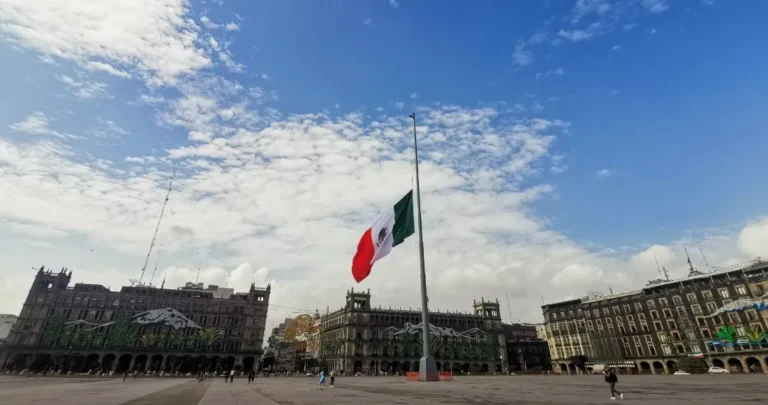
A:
304	333
444	342
728	336
743	304
176	332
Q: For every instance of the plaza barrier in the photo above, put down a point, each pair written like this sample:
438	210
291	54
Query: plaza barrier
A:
414	376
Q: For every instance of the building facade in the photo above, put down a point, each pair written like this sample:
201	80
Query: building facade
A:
525	351
713	319
6	322
146	329
361	339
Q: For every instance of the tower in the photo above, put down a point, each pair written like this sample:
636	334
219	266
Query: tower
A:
358	301
487	309
47	280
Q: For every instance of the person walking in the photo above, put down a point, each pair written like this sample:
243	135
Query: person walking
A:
322	380
232	376
251	376
333	377
611	379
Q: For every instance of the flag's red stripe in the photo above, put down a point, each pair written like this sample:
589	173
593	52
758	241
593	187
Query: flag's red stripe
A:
361	264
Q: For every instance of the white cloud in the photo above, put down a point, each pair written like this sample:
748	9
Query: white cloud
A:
368	21
583	8
753	237
556	72
580	35
106	67
399	105
522	55
616	47
106	129
207	23
153	38
265	77
604	174
652	30
628	27
84	89
394	4
655	6
232	27
37	124
414	95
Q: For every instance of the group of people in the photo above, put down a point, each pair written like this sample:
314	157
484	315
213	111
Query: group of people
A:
322	379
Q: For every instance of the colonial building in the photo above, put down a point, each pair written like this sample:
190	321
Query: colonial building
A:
525	351
362	339
718	318
89	327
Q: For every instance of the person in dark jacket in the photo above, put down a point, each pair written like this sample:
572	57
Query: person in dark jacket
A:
611	379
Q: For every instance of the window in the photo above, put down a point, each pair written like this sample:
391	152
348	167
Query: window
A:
675	336
553	315
740	331
705	333
677	300
640	352
667	313
663	302
654	315
651	303
596	312
644	327
616	310
651	349
630	318
608	321
657	325
701	321
599	322
641	317
638	306
627	309
570	312
671	324
741	290
666	349
759	288
723	292
691	335
580	312
734	318
562	314
707	295
696	309
691	297
606	311
751	315
711	307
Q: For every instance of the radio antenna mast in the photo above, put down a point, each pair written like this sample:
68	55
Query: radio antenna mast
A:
509	308
657	265
157	260
159	219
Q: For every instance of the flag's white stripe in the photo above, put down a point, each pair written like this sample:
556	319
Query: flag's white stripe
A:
382	227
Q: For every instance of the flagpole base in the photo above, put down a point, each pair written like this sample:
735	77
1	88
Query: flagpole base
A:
428	369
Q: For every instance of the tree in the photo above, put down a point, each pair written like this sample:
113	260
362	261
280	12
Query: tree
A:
149	340
208	337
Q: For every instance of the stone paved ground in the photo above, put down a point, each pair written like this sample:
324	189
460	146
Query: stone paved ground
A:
704	389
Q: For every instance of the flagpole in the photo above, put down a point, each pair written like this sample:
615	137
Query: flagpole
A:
427	366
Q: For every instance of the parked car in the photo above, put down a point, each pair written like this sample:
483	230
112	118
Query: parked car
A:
718	370
681	372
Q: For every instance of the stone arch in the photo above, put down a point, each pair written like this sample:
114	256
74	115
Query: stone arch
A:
108	362
446	366
645	367
735	364
372	366
672	365
384	366
498	368
658	366
395	366
754	365
229	363
156	362
358	367
41	362
465	367
140	363
123	363
563	368
484	368
718	363
92	361
406	366
571	368
248	363
172	363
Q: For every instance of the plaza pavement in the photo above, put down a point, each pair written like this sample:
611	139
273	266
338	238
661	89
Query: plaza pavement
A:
694	389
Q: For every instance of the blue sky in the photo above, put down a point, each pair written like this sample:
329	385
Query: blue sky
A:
654	116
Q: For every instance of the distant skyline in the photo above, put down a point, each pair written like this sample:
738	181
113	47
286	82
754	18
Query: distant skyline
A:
563	143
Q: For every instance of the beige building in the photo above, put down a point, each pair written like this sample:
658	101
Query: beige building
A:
712	317
362	339
6	323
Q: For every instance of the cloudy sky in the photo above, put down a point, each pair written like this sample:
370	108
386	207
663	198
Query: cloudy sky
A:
563	143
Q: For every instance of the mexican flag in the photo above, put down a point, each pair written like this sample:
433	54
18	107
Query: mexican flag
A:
389	229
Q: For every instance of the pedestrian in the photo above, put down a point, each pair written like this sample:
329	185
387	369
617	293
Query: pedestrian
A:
125	375
134	374
611	379
333	378
232	376
322	380
251	376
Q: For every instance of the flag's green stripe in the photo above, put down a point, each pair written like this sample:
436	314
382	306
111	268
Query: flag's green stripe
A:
404	224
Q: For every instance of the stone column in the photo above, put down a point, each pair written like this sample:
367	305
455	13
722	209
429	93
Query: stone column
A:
764	363
162	363
666	368
4	356
132	364
745	366
653	369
